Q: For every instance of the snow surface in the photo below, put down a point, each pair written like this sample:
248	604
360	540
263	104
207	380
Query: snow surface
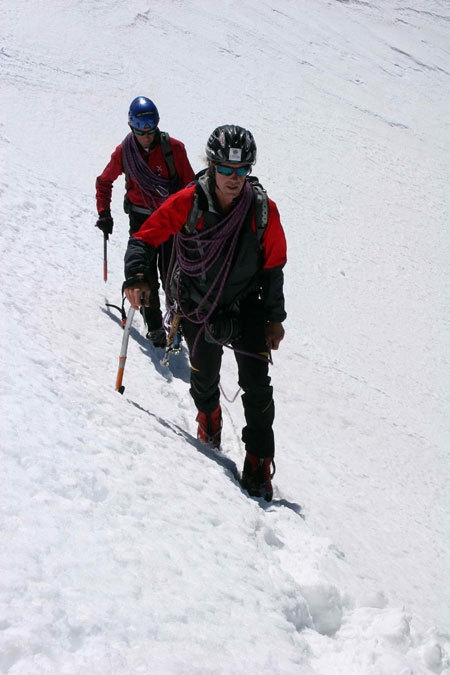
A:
125	547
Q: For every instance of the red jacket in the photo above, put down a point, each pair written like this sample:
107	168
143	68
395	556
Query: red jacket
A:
173	214
157	164
262	265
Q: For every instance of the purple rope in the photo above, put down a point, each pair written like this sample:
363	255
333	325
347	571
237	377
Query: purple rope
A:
152	186
230	400
213	242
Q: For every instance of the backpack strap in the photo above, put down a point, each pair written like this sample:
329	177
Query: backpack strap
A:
194	215
167	152
261	206
196	211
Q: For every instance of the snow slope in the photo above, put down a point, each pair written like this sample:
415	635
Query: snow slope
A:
126	547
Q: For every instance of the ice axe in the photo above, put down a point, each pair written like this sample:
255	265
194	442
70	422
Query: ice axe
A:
123	351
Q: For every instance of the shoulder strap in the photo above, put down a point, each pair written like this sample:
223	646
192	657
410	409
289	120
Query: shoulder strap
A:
124	164
167	152
196	212
261	206
194	215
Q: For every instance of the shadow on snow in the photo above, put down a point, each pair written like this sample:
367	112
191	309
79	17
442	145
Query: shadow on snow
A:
179	363
227	464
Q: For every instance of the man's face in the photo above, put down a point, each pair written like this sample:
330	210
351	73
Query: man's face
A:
144	137
228	181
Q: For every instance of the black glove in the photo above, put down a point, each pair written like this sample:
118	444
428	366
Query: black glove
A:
105	222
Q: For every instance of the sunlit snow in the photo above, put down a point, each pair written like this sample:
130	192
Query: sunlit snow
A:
126	548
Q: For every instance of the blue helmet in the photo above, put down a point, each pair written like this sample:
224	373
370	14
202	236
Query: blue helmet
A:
143	113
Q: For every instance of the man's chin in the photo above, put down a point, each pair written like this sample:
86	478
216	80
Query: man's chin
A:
234	191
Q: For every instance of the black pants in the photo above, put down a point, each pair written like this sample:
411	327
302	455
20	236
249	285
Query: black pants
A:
152	315
253	372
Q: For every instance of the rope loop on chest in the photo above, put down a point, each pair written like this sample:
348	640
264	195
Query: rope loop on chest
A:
198	252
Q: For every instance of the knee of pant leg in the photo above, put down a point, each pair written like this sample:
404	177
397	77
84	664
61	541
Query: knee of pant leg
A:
205	400
259	416
254	377
204	388
260	398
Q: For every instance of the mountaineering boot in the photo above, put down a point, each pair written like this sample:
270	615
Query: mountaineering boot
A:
157	337
210	427
257	475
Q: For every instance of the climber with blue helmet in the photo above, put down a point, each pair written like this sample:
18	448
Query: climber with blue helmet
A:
155	165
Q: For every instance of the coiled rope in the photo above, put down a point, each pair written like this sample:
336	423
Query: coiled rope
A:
154	189
214	243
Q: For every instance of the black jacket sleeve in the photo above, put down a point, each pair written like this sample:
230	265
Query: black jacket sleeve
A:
272	294
138	259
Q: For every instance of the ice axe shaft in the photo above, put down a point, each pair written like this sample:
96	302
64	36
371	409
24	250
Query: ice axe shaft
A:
123	351
105	257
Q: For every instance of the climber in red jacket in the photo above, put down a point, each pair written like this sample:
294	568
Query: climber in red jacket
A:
155	166
226	283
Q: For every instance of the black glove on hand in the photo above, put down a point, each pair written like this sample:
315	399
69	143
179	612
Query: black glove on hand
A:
105	222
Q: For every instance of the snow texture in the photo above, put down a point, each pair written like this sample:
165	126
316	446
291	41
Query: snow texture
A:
127	548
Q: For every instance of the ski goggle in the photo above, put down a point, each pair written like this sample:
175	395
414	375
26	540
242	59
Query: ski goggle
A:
140	132
228	170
